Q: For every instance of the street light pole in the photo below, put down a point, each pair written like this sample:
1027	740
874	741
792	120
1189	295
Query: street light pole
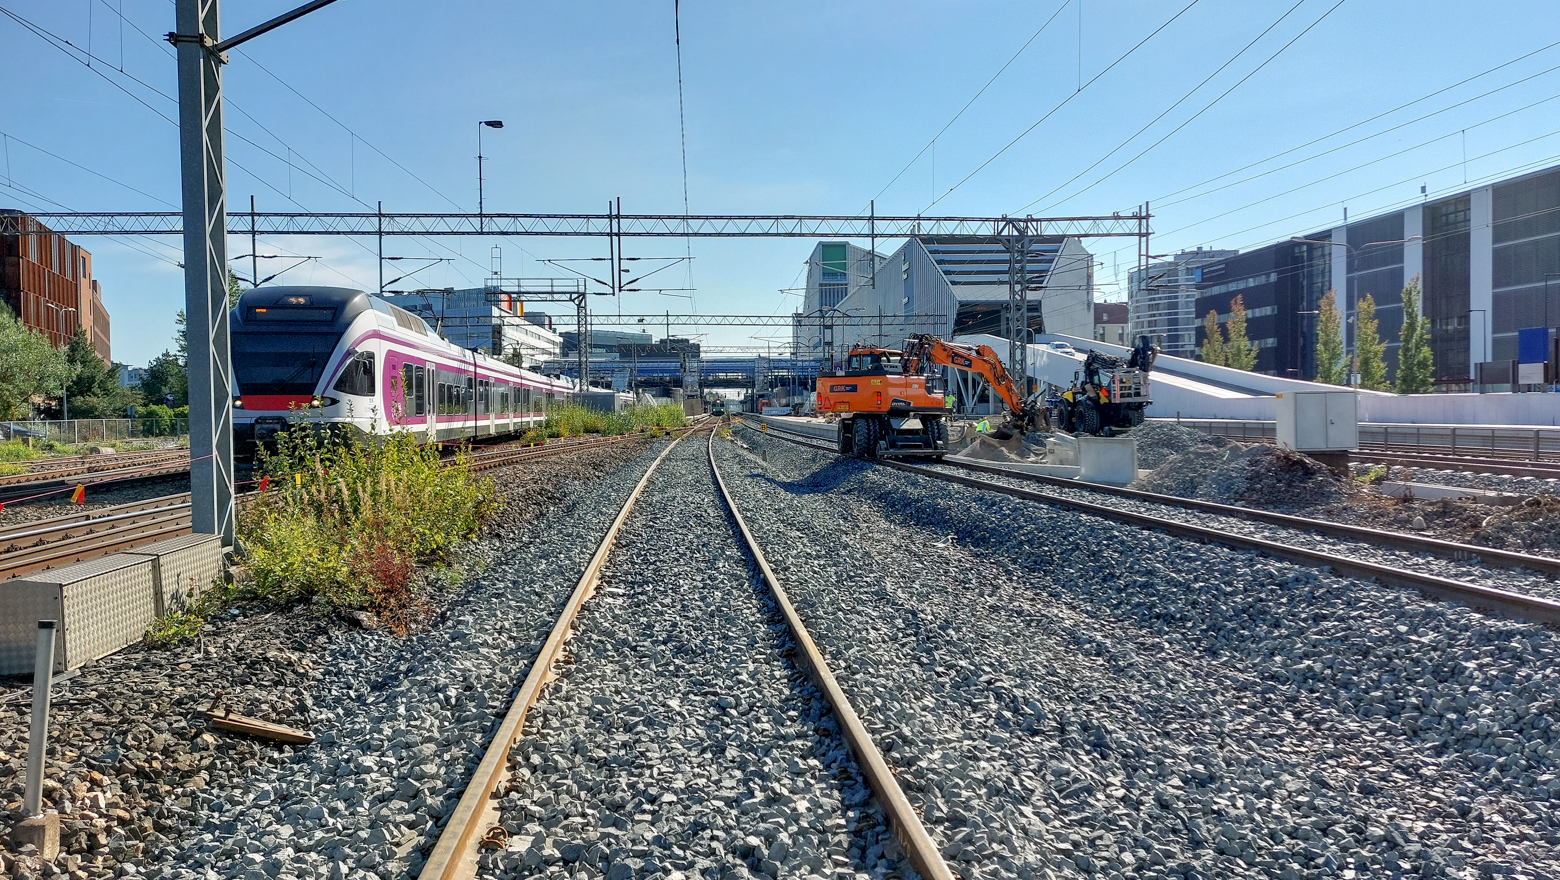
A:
486	123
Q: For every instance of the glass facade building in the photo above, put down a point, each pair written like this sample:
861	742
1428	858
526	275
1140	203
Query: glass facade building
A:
1488	262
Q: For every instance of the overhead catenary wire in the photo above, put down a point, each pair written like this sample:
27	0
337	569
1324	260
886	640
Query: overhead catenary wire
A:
1311	183
1194	116
931	144
1183	99
1169	198
11	137
1061	104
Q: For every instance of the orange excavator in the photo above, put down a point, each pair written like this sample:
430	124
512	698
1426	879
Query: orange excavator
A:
884	410
892	403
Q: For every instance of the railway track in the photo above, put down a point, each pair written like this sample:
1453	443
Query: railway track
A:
51	543
474	825
1514	467
1073	495
91	463
108	469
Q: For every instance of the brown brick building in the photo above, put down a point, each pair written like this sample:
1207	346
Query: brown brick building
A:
46	281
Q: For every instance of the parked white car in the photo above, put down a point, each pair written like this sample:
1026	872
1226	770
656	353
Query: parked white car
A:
1062	348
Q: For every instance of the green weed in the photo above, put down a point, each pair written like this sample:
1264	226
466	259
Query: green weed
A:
573	420
352	517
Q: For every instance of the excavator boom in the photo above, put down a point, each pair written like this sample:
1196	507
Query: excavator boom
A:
925	351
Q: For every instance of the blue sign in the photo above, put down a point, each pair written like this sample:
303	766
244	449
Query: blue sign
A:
1533	345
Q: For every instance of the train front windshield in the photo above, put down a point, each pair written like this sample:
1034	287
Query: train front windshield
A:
281	362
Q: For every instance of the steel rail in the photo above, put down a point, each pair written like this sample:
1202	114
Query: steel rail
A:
1452	550
1503	602
54	482
1515	467
121	459
56	524
38	471
920	849
455	853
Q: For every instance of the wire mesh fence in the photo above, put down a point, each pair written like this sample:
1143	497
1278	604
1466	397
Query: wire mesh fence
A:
76	431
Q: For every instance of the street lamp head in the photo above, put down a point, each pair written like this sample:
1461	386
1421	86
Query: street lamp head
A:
493	123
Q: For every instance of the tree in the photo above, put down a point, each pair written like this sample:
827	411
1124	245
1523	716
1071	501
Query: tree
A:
181	333
1330	366
1213	341
165	375
1239	353
1416	363
94	391
1369	347
29	366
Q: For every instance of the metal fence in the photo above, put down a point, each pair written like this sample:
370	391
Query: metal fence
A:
1505	442
95	430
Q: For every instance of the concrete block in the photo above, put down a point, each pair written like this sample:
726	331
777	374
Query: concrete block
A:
1108	460
1432	492
1061	449
40	831
101	605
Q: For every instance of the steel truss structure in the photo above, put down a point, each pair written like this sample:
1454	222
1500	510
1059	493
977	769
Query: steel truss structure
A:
597	225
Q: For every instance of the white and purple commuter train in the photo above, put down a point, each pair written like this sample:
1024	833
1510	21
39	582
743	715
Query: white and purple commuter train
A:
345	358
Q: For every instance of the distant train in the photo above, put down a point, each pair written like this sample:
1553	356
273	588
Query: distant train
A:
346	358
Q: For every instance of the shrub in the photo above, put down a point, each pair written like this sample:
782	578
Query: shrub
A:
573	420
16	450
352	518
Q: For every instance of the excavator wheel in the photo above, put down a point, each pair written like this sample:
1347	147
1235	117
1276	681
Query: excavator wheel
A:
842	437
864	437
937	433
1088	419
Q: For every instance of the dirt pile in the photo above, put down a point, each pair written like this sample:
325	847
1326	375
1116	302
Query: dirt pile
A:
1533	525
1258	476
988	447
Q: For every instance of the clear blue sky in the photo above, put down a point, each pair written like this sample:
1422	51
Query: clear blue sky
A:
791	108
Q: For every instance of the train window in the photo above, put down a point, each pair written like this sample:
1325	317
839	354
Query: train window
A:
469	401
420	392
408	390
357	377
503	403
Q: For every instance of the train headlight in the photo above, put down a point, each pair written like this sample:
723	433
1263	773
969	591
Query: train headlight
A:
238	403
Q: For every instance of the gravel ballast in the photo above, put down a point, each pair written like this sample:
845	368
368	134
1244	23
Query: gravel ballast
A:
1066	696
681	740
400	722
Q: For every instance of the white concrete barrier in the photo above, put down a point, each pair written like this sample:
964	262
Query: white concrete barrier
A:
1108	460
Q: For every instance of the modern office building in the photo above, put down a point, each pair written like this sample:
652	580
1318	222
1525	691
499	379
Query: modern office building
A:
474	319
1162	302
945	285
46	281
1488	260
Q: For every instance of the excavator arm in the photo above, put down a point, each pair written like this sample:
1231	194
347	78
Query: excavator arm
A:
925	351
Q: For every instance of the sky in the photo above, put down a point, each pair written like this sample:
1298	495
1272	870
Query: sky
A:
1239	122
